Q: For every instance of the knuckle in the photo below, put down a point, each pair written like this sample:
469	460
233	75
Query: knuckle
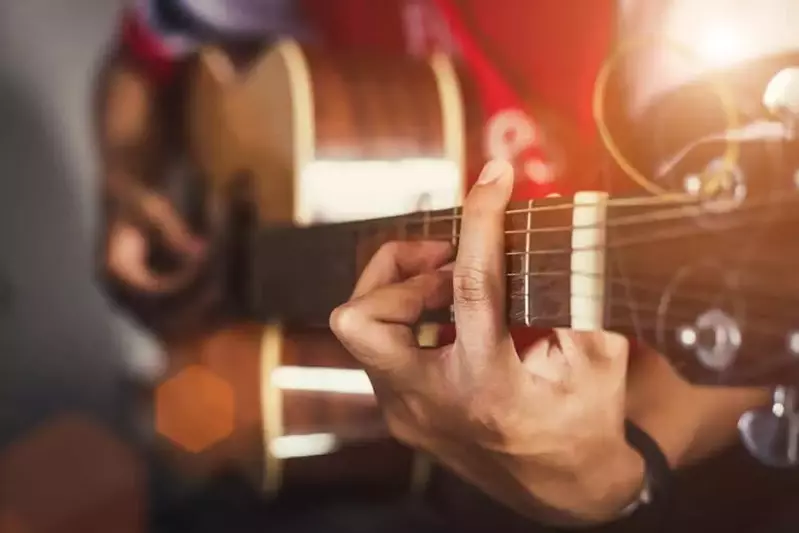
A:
388	249
402	431
470	286
345	320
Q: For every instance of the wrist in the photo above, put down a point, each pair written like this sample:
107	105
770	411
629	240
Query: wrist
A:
611	487
615	488
602	489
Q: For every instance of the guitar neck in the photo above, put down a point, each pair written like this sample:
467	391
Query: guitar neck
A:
663	270
558	252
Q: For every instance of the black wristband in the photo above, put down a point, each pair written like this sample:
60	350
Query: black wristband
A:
652	512
651	515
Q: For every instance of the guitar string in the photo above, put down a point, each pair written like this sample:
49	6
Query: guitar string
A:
670	322
640	284
638	308
683	298
429	217
690	212
653	319
676	299
649	239
683	231
534	209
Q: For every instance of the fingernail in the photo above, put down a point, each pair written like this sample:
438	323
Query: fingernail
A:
492	171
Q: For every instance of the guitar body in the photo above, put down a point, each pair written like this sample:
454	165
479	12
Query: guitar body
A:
288	411
303	137
319	137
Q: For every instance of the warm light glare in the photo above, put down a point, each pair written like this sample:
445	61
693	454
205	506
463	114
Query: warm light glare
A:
291	446
317	379
782	92
721	45
71	473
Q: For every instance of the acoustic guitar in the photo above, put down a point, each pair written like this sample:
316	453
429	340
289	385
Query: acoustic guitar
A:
703	274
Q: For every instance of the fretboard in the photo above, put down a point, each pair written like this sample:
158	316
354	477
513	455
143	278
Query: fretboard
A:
559	259
648	267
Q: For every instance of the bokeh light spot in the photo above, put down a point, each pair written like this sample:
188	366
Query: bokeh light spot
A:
10	522
71	475
195	409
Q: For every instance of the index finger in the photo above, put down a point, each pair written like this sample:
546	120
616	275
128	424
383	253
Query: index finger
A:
398	260
479	272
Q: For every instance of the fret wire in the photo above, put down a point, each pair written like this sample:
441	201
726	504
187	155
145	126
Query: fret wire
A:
526	263
455	227
455	236
402	229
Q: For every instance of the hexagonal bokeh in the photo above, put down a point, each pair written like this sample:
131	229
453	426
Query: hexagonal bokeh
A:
10	522
72	475
195	409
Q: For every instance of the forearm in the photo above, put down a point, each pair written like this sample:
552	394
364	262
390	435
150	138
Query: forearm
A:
689	423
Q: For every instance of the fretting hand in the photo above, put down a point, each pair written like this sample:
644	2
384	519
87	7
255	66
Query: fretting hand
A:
542	431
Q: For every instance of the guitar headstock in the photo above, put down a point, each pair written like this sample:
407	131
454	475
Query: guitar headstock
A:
715	292
712	276
729	310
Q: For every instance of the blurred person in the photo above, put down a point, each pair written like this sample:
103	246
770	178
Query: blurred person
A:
530	58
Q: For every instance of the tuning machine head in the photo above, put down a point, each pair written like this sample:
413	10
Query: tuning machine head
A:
771	434
715	339
781	98
720	187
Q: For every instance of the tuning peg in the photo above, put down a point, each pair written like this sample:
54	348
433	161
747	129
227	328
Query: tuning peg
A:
714	338
721	185
771	435
781	97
